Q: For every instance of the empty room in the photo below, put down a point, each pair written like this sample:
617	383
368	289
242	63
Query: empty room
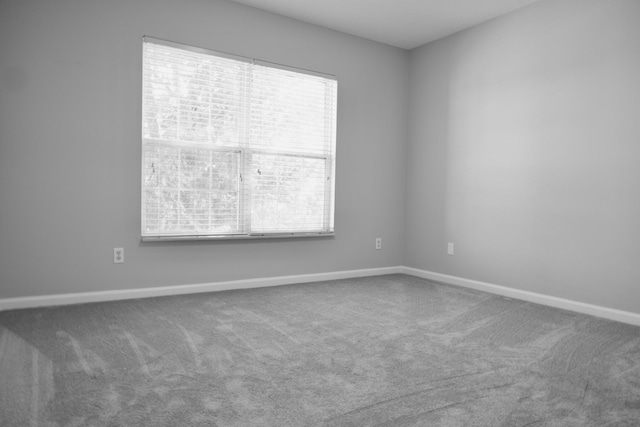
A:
320	213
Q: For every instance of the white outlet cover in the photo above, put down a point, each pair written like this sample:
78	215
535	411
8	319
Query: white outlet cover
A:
118	255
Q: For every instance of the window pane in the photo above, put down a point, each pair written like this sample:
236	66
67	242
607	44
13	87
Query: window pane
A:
194	97
292	112
288	193
190	190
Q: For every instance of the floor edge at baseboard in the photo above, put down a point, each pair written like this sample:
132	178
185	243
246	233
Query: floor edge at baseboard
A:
551	301
125	294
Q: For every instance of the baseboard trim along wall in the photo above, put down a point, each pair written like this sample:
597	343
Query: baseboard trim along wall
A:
101	296
122	294
579	307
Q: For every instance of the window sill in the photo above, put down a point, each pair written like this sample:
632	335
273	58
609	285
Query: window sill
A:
236	236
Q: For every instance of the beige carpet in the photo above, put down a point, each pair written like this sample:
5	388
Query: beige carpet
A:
380	351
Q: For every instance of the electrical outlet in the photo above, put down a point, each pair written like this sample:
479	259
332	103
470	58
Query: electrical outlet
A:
118	255
378	243
450	248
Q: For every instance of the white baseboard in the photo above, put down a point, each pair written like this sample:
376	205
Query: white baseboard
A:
101	296
122	294
579	307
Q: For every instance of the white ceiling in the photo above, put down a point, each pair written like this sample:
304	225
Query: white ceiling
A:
402	23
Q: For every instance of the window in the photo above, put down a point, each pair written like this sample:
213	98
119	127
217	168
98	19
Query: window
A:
233	147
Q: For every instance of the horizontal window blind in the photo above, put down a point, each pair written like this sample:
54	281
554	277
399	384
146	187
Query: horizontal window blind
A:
233	147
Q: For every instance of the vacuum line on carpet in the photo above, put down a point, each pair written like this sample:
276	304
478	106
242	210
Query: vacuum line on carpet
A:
229	328
266	322
138	353
76	348
35	388
192	345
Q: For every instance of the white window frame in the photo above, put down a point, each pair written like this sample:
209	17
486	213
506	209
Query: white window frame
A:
245	152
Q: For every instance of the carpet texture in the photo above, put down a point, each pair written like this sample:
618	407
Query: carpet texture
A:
379	351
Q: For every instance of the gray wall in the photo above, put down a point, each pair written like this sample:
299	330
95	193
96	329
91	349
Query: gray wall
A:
522	147
70	101
524	150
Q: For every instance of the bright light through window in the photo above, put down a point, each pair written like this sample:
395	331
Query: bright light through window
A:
233	147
